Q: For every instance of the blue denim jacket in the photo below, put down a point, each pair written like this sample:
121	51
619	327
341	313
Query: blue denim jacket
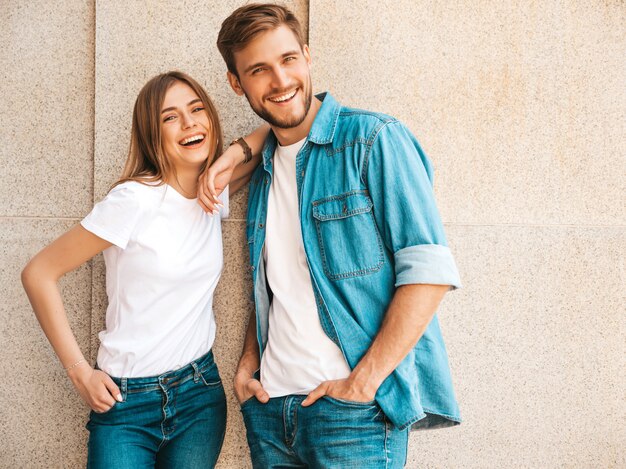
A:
369	224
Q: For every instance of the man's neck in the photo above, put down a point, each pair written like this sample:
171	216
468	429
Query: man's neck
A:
295	134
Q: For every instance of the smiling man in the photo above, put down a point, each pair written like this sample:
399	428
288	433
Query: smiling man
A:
349	262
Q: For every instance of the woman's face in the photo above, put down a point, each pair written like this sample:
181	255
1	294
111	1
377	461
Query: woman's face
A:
185	128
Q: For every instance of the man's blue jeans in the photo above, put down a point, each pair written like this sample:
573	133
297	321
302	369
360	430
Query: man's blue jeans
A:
173	420
331	433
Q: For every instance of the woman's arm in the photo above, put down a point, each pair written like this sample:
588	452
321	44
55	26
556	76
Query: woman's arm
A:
40	277
227	169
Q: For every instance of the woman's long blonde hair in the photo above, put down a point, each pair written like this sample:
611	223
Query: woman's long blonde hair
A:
147	162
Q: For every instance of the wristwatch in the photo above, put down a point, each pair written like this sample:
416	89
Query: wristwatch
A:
246	149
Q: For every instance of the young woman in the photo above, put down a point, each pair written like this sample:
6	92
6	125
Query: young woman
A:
155	393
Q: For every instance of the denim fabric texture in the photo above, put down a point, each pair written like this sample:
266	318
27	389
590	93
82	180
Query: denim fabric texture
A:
331	433
369	224
174	420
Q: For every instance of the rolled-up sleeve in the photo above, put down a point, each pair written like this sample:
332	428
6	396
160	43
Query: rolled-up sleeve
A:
399	179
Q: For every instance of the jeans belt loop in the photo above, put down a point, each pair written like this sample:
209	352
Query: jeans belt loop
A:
124	389
196	372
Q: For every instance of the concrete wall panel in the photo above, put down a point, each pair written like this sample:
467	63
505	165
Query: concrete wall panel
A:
233	305
47	66
520	105
536	344
41	417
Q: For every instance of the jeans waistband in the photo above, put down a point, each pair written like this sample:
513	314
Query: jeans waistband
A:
169	379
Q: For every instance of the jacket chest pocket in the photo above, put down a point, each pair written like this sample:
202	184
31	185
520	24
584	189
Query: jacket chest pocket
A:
349	241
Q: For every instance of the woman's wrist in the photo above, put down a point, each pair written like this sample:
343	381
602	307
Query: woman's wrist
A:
79	372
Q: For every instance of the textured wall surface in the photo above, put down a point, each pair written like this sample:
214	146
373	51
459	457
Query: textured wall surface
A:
521	107
46	156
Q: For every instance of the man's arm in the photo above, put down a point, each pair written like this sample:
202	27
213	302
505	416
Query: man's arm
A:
398	176
245	384
409	313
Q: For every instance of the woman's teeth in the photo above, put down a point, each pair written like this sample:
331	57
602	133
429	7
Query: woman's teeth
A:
192	140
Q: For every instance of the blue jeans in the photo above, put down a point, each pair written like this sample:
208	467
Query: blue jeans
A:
176	419
331	433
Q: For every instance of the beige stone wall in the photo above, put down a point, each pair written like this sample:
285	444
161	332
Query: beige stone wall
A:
520	106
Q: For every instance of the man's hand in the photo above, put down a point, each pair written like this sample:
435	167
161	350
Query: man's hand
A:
345	389
95	387
246	387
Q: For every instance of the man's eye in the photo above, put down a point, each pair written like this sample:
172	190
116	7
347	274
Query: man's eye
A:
289	59
257	70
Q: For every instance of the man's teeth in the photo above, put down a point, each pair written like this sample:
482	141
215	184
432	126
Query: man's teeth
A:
284	97
195	138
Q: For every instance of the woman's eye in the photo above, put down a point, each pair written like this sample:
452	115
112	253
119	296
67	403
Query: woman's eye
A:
169	118
196	109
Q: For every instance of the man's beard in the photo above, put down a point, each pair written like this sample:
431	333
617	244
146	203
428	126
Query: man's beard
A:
287	122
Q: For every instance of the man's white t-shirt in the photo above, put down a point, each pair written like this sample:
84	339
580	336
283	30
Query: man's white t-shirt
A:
161	273
298	355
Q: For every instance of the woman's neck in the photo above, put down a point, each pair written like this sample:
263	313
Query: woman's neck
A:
185	182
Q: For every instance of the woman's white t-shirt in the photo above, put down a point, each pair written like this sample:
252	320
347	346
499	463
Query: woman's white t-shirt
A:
161	273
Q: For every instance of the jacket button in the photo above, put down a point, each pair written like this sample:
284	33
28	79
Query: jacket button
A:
261	225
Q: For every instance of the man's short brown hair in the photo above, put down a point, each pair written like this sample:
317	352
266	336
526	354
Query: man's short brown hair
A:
247	22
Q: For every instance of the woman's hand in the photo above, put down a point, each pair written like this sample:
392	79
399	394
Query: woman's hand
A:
228	170
216	177
95	387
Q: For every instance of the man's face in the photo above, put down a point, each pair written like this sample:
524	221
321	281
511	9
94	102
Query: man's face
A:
274	75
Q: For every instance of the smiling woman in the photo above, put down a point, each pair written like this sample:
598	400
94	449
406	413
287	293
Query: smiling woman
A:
155	393
170	108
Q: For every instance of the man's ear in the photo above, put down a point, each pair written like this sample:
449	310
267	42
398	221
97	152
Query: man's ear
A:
234	83
307	53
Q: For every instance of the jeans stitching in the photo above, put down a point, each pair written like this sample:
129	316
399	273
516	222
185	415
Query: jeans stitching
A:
166	401
285	422
386	448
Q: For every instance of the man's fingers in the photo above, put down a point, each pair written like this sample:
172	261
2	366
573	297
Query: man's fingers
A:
256	389
314	395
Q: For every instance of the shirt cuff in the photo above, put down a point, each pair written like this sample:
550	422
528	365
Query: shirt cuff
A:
426	264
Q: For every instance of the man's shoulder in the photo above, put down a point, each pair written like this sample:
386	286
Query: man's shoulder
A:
362	123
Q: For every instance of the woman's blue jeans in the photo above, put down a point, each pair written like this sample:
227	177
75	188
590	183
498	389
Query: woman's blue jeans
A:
176	419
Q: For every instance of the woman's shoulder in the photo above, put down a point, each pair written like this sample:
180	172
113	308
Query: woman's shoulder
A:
135	195
149	190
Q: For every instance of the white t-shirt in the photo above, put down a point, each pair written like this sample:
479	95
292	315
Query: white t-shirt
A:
298	355
161	273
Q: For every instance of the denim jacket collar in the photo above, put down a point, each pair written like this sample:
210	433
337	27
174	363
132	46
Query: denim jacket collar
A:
322	131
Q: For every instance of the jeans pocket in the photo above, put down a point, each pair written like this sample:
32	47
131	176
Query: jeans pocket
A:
248	401
354	404
210	376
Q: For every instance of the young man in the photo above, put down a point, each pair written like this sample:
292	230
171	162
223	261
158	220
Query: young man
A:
349	263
